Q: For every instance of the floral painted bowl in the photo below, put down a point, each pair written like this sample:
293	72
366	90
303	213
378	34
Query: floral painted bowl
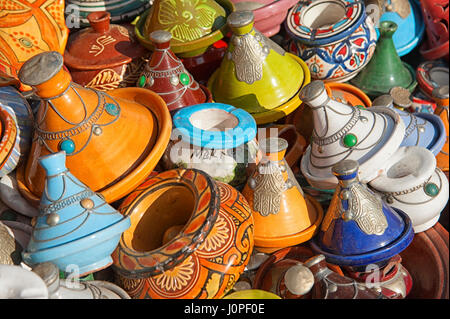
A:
335	38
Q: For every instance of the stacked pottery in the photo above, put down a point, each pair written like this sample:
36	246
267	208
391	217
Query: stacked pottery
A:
335	38
346	132
76	229
28	29
359	229
269	14
216	138
435	13
120	10
112	141
194	25
256	74
386	69
190	237
166	75
440	95
275	198
406	14
104	56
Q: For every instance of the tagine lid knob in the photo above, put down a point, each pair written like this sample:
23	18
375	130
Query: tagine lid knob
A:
48	271
299	279
384	100
346	169
160	36
401	97
241	22
273	145
441	92
41	68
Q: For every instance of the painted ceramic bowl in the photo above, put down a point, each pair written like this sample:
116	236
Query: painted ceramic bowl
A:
187	43
411	182
431	75
120	10
9	136
216	138
335	38
190	237
269	14
411	27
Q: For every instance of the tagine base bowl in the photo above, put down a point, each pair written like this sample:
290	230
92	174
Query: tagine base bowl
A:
133	179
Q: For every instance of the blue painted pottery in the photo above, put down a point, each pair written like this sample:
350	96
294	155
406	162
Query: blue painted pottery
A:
422	129
217	138
335	38
410	28
76	229
359	228
17	106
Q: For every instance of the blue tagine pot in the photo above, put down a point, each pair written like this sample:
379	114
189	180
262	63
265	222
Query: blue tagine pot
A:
359	228
76	229
216	138
408	16
422	129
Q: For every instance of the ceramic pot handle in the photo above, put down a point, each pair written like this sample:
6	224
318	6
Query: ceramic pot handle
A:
99	21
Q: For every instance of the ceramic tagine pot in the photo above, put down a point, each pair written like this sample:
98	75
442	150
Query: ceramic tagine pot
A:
435	13
440	95
275	198
12	102
431	75
95	129
120	10
422	129
76	229
216	138
104	56
346	132
411	27
256	74
269	14
359	228
28	28
190	237
194	25
335	38
386	69
166	75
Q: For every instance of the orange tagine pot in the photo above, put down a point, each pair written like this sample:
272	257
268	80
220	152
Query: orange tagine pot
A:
190	237
112	140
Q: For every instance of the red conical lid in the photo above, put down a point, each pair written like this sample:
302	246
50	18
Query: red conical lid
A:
166	75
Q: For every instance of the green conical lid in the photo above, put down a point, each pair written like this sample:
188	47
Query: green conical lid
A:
385	70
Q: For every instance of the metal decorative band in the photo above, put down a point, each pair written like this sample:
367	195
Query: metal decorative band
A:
412	125
166	73
58	205
339	134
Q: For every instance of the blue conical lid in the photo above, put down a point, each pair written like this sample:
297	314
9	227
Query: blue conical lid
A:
359	228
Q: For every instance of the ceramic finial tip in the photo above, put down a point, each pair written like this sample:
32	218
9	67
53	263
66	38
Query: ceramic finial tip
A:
441	92
312	91
314	260
388	27
273	145
384	100
41	68
48	271
401	96
239	19
160	36
346	169
299	280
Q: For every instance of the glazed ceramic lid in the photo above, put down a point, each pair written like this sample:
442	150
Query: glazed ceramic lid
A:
214	125
359	228
102	45
319	22
432	74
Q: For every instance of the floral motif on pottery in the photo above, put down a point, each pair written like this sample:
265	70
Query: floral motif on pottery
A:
333	52
202	258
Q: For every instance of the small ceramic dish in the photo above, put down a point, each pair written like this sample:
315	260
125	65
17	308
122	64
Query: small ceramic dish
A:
432	74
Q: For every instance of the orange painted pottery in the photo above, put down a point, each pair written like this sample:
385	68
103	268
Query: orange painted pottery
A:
283	216
30	27
440	96
271	275
166	75
190	237
7	80
104	56
112	141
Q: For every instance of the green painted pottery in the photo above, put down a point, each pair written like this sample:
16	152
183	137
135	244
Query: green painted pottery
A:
386	70
256	74
194	24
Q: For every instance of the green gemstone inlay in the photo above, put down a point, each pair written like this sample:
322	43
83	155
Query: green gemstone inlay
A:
350	140
112	109
68	146
184	79
142	80
360	106
431	189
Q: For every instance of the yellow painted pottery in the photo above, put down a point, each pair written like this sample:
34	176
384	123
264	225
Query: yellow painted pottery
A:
194	24
283	216
112	140
252	294
256	74
190	237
